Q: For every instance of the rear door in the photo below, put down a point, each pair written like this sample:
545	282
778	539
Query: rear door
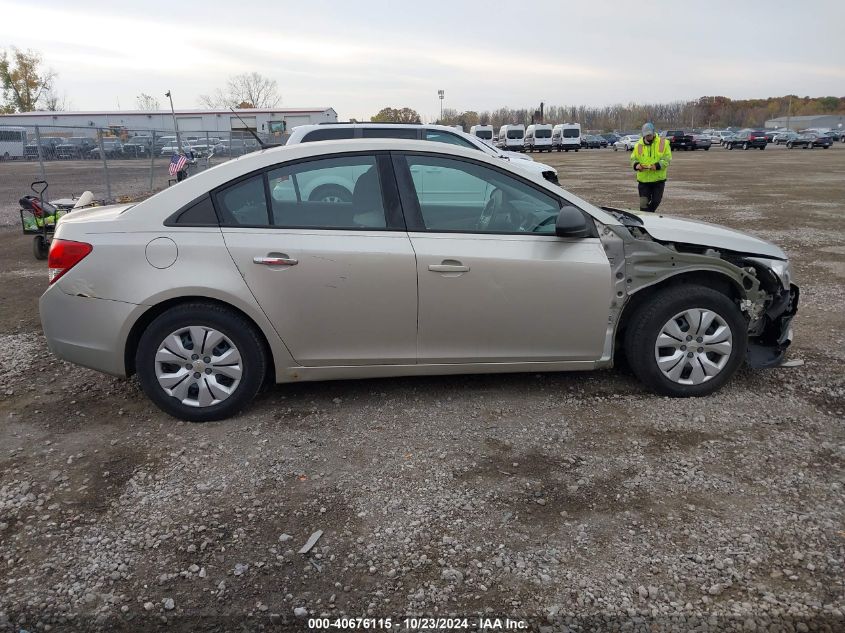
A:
495	283
335	274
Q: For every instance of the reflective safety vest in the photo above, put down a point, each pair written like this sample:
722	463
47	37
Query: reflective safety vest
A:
657	152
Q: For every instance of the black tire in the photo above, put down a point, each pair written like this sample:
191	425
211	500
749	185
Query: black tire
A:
40	247
707	149
745	146
762	147
238	329
789	145
650	317
330	193
730	145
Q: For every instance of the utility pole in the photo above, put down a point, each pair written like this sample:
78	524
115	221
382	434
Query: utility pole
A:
442	95
175	125
789	113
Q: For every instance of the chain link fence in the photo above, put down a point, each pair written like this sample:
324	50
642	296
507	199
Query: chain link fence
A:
115	164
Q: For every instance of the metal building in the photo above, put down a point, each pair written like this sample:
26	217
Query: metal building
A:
259	120
818	121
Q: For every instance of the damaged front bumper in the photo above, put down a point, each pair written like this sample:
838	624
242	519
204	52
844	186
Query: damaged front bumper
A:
767	347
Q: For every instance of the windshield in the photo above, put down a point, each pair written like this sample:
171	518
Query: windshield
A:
515	133
543	134
571	133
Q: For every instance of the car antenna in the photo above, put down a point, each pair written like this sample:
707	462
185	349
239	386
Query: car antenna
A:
254	135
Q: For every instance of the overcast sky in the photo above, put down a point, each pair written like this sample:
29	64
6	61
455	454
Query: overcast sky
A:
361	56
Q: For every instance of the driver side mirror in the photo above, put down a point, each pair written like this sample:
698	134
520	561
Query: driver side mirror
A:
571	222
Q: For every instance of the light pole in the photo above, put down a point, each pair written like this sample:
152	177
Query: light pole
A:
175	125
442	95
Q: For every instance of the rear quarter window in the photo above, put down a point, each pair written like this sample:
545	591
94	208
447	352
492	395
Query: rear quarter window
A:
328	134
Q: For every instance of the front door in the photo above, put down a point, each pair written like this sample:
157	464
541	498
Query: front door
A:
495	283
324	257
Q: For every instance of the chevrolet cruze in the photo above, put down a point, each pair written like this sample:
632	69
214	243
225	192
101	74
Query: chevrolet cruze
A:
438	259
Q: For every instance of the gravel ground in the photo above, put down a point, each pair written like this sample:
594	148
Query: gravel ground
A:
576	502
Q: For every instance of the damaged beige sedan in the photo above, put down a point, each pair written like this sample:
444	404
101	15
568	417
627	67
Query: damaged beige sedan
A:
386	257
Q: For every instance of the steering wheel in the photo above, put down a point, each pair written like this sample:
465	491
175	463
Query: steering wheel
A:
493	206
542	223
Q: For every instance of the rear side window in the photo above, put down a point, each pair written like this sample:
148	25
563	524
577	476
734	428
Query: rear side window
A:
328	134
329	193
382	132
244	203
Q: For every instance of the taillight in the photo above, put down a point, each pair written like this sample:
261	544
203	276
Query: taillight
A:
64	255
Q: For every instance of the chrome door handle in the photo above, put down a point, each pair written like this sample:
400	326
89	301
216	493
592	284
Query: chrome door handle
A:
453	267
275	261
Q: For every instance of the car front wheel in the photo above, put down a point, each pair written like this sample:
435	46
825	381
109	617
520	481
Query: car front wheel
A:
201	362
688	341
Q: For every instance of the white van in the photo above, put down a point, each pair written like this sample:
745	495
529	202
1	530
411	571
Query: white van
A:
566	136
538	137
484	132
510	137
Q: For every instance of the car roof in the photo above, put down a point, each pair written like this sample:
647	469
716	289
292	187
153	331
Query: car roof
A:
159	206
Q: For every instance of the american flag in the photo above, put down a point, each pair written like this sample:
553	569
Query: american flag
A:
177	163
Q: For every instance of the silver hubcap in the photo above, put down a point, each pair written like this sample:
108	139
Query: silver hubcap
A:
198	366
693	346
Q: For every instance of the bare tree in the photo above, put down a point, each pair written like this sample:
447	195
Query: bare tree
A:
249	90
147	102
54	103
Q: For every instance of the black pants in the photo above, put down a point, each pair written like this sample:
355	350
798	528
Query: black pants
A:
183	173
651	193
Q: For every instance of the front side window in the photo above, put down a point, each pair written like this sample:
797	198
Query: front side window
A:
330	193
447	137
460	196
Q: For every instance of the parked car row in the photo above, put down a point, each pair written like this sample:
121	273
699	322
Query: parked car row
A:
139	146
568	136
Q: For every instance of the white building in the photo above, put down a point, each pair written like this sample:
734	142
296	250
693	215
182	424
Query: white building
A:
816	121
278	120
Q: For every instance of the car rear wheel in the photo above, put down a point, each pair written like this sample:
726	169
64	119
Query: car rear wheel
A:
789	145
730	145
745	146
201	362
688	341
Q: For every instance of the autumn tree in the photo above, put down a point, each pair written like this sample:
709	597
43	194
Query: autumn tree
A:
249	90
396	115
147	102
24	80
465	119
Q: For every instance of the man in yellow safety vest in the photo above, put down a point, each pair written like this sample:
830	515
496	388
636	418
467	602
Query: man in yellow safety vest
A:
650	159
